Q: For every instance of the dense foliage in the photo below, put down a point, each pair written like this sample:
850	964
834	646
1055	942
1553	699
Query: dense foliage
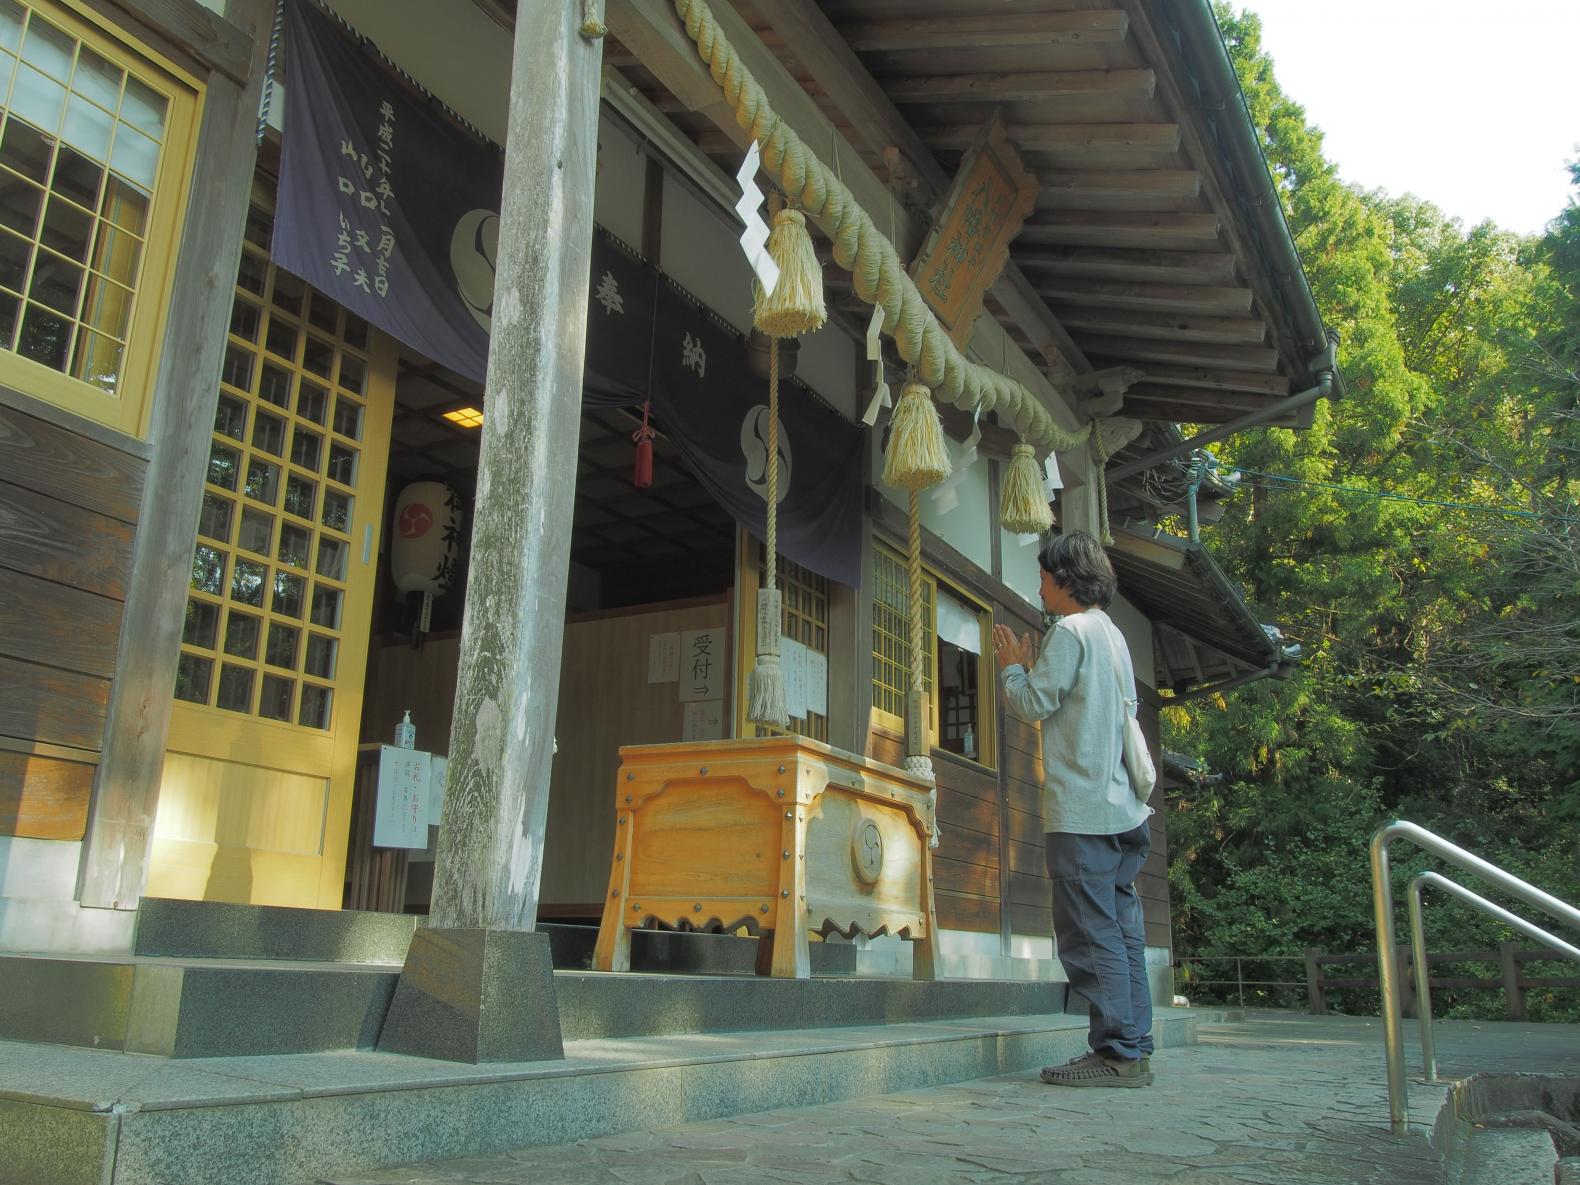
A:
1426	559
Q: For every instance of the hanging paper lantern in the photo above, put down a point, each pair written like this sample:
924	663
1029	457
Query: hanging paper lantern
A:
426	538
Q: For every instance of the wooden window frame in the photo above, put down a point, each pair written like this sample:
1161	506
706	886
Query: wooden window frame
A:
130	409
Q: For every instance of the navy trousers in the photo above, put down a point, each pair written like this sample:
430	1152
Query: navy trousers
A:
1097	921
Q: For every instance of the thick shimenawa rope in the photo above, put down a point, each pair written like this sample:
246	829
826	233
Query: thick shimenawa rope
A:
861	249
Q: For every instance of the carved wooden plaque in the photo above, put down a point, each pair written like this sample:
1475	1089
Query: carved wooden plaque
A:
969	243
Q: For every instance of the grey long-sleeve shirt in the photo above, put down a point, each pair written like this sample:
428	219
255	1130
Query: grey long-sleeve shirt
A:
1072	692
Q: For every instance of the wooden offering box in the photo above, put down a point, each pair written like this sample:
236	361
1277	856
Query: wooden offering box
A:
784	835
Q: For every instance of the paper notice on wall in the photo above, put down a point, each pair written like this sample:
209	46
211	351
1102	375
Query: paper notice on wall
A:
400	814
817	683
792	660
663	658
438	777
702	720
701	665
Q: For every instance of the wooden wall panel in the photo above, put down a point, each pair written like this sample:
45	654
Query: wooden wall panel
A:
60	464
44	797
44	622
56	541
57	707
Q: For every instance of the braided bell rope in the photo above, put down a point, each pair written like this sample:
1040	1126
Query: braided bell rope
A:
861	249
771	514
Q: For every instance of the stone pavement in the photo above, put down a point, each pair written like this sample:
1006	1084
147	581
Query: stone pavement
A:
1278	1099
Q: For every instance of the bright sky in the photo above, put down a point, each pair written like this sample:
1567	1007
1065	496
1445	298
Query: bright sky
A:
1472	106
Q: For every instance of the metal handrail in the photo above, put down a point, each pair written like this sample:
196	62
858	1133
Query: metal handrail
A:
1423	973
1382	910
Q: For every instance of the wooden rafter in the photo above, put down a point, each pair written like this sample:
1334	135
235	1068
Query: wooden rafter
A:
989	30
1023	87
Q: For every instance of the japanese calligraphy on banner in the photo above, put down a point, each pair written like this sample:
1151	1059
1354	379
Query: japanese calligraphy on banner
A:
385	205
964	253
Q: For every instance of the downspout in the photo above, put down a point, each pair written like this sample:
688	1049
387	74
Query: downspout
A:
1193	528
1326	381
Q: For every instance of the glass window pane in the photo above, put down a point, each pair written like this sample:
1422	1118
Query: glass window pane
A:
124	206
326	606
282	338
295	542
257	531
87	128
348	418
307	448
247	581
38	99
10	310
253	274
301	497
48	48
322	312
223	466
356	334
201	627
260	228
289	593
316	702
268	433
318	357
281	651
56	283
77	177
107	307
193	676
342	464
97	360
27	150
135	157
337	510
237	370
241	635
288	292
245	320
321	651
14	256
208	569
274	702
20	203
312	402
68	229
116	253
274	385
144	108
235	688
353	374
214	519
230	418
11	15
331	558
98	79
45	337
263	481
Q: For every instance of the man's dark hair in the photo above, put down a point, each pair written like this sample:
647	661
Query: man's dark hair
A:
1079	565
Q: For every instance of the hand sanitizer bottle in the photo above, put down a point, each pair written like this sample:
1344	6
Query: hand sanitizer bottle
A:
968	743
406	733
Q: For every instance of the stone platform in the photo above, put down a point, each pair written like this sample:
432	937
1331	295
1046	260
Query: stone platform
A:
86	1117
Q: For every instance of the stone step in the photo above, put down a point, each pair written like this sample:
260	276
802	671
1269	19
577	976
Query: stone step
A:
171	928
197	1008
85	1117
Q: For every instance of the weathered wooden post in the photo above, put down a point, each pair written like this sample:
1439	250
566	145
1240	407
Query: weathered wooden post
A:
1514	994
478	984
1316	994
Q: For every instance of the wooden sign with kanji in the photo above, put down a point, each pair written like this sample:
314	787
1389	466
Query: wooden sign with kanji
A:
966	249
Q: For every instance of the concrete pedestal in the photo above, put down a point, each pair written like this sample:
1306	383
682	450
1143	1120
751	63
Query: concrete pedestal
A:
475	996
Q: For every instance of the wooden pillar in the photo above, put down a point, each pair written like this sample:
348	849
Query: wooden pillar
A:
477	987
1514	994
1316	995
114	865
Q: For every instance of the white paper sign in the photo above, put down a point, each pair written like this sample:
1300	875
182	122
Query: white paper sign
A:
663	658
400	816
792	661
438	777
817	683
702	720
702	665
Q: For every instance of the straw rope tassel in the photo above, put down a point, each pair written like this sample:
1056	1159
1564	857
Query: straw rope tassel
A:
918	754
917	456
765	686
1023	502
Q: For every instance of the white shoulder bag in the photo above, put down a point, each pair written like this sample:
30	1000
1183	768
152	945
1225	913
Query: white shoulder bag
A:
1138	759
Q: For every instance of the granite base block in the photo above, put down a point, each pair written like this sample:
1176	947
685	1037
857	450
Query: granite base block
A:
475	996
42	1145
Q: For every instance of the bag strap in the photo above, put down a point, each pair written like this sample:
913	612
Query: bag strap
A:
1108	636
